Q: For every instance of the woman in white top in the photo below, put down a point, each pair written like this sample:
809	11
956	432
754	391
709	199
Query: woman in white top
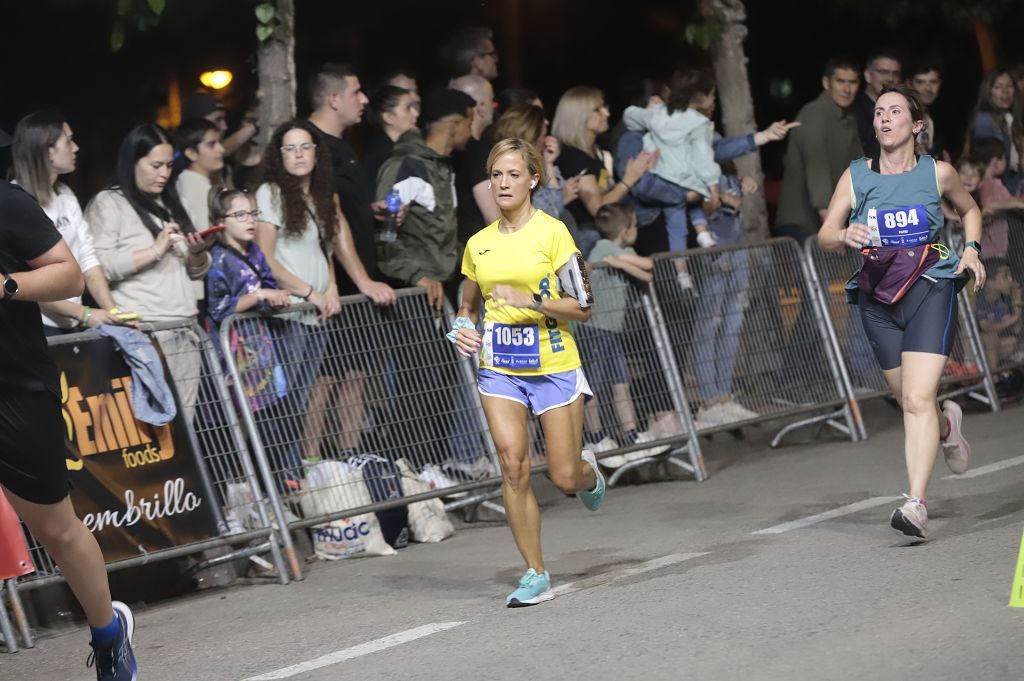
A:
150	251
43	150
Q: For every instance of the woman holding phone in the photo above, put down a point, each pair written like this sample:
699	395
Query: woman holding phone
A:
150	251
43	150
889	208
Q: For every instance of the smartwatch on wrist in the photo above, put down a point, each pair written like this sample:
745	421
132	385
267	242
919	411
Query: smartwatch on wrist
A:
975	245
537	302
10	287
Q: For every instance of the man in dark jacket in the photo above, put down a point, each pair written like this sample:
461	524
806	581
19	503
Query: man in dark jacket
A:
426	251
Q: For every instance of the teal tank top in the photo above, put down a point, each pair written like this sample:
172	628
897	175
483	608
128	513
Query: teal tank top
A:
902	210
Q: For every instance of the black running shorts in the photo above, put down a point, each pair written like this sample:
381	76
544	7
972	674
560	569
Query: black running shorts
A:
32	449
924	320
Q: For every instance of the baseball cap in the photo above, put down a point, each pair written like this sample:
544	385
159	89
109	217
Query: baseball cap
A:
199	105
442	103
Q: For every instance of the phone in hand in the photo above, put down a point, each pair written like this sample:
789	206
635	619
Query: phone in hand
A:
128	316
211	230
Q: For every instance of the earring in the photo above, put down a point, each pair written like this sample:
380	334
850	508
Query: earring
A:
488	185
533	184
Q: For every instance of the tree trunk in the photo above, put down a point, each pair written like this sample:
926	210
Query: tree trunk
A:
737	105
986	45
276	68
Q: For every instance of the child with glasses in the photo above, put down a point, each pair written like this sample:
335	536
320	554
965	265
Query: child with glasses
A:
239	278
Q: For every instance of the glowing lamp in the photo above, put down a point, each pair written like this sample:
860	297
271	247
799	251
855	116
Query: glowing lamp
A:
216	80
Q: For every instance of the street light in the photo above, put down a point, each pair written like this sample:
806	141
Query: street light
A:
216	80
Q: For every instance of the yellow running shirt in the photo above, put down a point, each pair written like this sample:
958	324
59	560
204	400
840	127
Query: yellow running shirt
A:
517	341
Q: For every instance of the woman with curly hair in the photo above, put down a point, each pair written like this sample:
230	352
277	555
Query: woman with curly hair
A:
298	224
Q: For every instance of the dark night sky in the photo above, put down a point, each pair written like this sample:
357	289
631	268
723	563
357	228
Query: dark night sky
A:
56	53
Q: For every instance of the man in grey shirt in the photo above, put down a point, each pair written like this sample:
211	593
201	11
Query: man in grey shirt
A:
819	151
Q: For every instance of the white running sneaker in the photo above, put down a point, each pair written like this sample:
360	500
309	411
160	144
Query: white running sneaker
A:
646	453
706	418
955	447
910	518
737	412
605	445
706	239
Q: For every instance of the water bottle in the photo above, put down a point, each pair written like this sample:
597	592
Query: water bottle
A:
390	230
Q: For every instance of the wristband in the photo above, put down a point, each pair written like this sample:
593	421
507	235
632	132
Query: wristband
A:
625	184
306	297
459	323
975	245
84	321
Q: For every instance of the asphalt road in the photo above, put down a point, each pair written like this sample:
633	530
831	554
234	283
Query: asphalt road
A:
669	580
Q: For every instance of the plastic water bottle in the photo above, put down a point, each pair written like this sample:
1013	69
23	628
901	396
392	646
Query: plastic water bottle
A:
390	230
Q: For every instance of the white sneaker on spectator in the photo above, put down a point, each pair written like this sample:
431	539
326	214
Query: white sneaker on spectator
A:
737	411
706	239
707	417
605	445
685	281
667	425
645	453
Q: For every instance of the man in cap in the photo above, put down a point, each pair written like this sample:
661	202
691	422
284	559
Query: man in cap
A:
419	169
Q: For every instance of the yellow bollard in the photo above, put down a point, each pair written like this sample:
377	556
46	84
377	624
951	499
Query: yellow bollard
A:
1017	594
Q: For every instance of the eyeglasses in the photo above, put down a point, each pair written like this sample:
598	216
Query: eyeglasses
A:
298	149
244	215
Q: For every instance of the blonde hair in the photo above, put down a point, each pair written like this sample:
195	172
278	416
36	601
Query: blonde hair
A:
532	157
570	122
524	121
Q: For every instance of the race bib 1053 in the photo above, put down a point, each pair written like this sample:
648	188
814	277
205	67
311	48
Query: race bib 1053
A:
514	346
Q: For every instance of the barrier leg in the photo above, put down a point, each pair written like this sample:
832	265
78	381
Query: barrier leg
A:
20	620
5	628
656	323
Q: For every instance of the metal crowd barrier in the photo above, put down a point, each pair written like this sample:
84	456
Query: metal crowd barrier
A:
751	339
997	309
372	382
966	372
639	404
225	473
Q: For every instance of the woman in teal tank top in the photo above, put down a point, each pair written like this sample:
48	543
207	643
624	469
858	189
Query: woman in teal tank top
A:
891	205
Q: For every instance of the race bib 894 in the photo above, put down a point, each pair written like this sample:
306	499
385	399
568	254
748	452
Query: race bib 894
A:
906	226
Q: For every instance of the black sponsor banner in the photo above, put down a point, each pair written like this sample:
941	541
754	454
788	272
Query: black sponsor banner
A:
135	485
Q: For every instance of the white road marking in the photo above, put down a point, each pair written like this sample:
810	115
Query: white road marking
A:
615	575
828	515
357	651
985	470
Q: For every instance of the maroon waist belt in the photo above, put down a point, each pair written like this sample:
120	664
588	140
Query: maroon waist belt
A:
888	273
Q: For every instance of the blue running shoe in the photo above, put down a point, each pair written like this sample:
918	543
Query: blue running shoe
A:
592	498
533	589
117	663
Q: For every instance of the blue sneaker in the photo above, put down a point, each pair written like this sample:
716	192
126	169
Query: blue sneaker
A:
592	498
533	589
117	663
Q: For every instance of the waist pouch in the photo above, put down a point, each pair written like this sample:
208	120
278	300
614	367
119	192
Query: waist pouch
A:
888	273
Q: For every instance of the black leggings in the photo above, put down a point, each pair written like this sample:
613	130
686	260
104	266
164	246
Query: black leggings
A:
924	320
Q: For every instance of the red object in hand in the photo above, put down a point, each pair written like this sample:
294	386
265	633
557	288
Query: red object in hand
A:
14	558
212	230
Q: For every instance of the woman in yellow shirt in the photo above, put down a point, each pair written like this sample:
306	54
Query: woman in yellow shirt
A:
528	269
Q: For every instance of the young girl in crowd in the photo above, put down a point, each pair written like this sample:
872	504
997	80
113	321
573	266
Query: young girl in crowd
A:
239	278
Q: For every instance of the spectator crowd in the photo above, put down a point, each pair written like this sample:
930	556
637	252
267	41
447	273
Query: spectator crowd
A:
304	218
